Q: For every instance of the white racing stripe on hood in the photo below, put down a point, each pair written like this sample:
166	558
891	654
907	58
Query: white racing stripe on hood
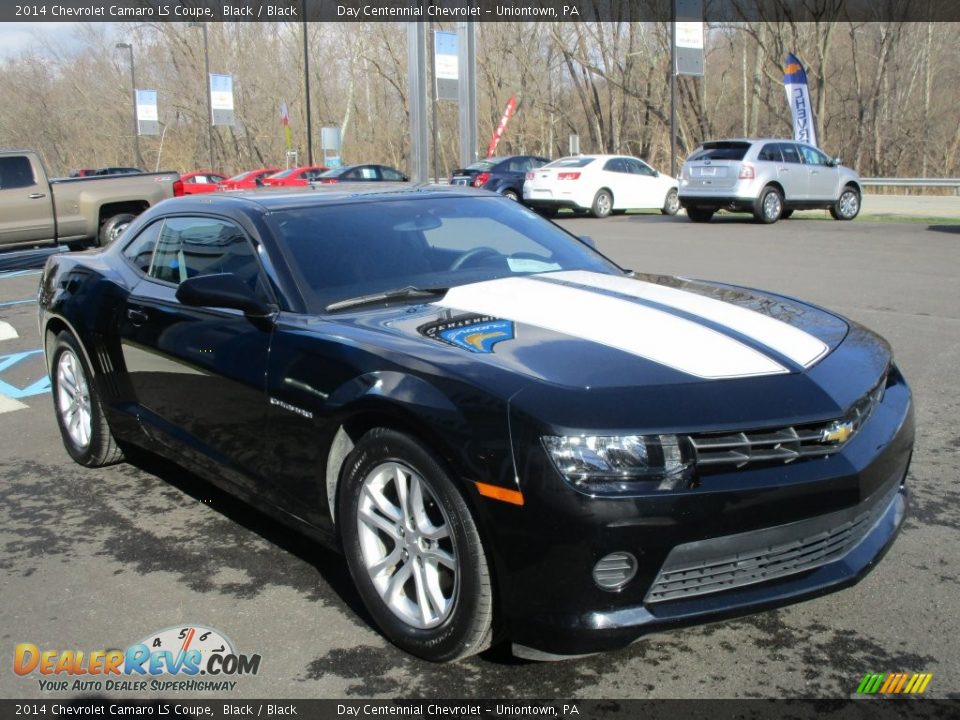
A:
801	347
615	322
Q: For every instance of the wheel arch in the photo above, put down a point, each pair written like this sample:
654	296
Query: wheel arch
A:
385	403
54	325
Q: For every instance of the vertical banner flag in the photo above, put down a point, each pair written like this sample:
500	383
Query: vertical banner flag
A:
688	37
498	133
445	65
148	121
285	122
798	96
221	99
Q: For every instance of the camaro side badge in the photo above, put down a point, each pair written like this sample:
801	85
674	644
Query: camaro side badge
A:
292	408
476	333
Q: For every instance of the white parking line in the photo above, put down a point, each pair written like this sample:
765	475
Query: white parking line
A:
6	331
9	404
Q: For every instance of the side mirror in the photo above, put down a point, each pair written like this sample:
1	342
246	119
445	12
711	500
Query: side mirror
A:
588	241
224	290
837	161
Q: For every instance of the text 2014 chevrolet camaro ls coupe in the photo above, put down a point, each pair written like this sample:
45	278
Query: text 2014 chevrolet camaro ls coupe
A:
509	436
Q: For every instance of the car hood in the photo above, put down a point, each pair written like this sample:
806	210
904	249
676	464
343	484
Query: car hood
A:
576	332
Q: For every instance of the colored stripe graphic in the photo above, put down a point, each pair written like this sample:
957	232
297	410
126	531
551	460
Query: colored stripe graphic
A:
894	683
632	327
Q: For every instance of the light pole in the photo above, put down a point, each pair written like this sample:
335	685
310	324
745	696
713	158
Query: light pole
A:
306	80
138	158
206	84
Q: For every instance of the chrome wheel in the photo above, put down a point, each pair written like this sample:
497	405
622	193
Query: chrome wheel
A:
73	399
406	545
671	205
849	204
772	206
603	204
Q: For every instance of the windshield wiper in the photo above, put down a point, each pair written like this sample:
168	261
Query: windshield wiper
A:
408	293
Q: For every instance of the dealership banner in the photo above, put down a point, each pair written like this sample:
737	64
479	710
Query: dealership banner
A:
498	133
285	122
445	65
221	99
148	119
798	96
688	33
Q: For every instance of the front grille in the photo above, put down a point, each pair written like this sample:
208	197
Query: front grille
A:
781	445
785	444
725	563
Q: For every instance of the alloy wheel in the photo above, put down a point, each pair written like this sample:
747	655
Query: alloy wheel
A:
407	546
73	399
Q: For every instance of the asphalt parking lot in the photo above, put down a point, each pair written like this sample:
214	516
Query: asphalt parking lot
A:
101	559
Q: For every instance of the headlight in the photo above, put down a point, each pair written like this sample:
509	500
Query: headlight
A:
619	465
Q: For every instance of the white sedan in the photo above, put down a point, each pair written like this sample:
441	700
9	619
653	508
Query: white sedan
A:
601	184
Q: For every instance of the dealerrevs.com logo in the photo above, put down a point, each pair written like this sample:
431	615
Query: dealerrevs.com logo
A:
184	658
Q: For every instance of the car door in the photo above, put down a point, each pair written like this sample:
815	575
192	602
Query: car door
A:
197	374
647	189
792	174
26	209
823	178
615	175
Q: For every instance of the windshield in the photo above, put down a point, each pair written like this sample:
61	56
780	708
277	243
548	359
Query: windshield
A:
345	251
481	166
284	173
242	175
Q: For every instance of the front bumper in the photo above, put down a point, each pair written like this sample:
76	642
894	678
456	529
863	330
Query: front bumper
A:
552	607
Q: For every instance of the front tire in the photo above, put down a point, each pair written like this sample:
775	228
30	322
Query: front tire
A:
769	206
112	227
83	426
413	549
671	204
602	204
511	194
847	206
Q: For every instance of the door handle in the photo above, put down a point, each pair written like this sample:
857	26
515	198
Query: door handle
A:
36	196
137	317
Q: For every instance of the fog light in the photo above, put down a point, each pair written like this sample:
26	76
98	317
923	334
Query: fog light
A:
615	570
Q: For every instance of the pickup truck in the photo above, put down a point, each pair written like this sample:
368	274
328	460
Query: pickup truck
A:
77	212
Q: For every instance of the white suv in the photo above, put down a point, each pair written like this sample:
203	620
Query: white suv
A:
769	178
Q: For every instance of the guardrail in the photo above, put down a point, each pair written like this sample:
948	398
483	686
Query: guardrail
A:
912	182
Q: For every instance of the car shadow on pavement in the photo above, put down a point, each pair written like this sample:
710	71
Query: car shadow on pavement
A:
953	229
330	565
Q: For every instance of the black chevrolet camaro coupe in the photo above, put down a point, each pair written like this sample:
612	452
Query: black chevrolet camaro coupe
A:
509	436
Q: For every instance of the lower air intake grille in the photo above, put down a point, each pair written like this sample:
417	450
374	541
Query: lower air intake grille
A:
708	566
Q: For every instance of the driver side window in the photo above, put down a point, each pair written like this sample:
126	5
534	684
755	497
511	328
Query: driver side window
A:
192	246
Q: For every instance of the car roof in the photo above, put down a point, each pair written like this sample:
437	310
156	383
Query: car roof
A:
752	140
314	196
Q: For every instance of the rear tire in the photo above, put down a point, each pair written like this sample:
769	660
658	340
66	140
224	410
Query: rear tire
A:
112	227
847	206
700	215
413	549
602	204
671	204
83	426
769	206
511	194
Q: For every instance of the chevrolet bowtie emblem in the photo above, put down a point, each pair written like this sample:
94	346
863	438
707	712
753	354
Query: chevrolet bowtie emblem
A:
838	432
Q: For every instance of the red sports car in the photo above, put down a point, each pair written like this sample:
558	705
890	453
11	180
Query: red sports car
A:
295	176
247	180
202	181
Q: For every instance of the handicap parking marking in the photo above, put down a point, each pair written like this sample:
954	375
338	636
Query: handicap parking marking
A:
38	387
7	331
